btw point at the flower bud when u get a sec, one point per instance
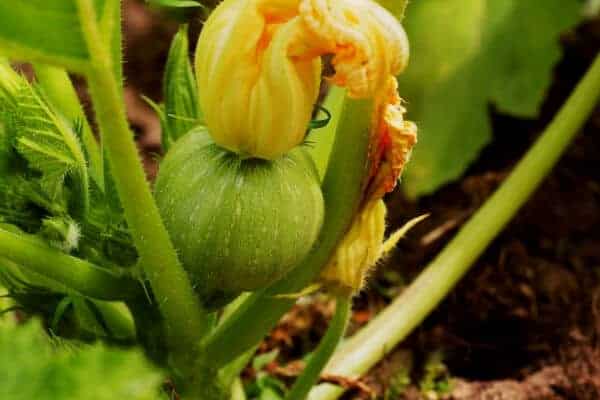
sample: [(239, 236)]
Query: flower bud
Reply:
[(362, 247), (62, 233), (256, 98), (258, 65), (359, 250)]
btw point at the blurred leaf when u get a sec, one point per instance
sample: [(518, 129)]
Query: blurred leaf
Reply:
[(269, 393), (25, 33), (266, 387), (592, 8), (32, 367), (175, 3), (261, 360), (4, 150), (436, 378), (9, 86), (396, 7), (466, 54), (49, 31), (182, 111)]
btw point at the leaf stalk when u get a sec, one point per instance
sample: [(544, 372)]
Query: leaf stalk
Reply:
[(71, 272)]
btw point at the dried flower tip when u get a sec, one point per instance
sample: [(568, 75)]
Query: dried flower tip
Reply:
[(362, 247)]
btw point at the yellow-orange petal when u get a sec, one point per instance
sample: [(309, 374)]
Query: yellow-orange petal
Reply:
[(359, 250), (258, 65), (256, 98), (393, 139), (368, 43)]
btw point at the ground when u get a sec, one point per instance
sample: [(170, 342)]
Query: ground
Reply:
[(525, 321)]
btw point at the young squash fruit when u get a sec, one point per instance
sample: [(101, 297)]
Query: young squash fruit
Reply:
[(239, 224)]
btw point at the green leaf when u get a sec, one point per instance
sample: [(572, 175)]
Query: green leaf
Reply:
[(182, 111), (266, 387), (4, 150), (51, 146), (60, 92), (49, 31), (9, 85), (396, 7), (466, 54), (34, 367), (262, 360), (592, 8), (45, 30), (46, 142), (175, 3)]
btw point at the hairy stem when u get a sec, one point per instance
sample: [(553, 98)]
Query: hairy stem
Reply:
[(382, 334), (73, 273), (318, 360), (185, 319)]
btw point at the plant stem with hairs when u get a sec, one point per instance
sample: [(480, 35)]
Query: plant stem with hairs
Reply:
[(186, 321)]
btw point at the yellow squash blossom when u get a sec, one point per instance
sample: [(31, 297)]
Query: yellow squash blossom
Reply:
[(258, 64)]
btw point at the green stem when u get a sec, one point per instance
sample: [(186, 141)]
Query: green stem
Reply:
[(320, 357), (343, 188), (118, 319), (71, 272), (237, 390), (185, 319), (397, 321), (231, 371)]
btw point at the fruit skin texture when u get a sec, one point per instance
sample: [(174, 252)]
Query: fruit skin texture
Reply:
[(238, 224)]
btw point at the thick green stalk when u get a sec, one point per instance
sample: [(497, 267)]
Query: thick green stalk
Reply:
[(343, 188), (320, 357), (320, 141), (382, 334), (73, 273), (185, 320)]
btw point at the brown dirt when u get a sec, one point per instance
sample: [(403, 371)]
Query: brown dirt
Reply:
[(525, 322)]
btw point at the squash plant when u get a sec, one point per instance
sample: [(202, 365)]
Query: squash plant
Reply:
[(252, 205)]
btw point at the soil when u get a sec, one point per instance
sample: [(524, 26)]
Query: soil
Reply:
[(525, 321)]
